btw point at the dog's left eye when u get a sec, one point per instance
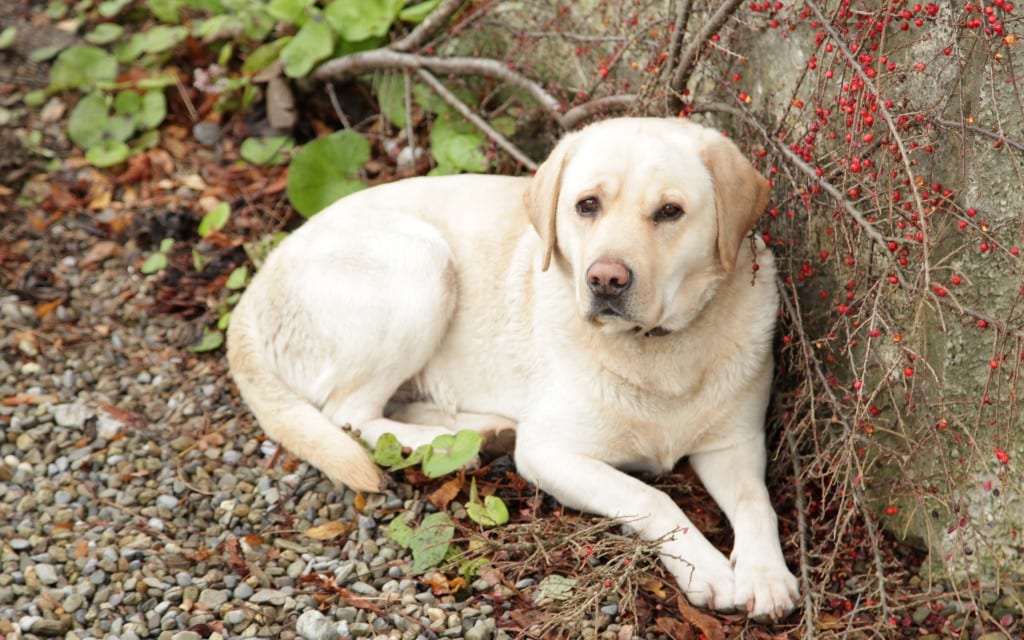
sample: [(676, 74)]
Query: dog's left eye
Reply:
[(668, 213)]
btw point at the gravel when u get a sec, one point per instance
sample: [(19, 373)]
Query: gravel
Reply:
[(138, 499)]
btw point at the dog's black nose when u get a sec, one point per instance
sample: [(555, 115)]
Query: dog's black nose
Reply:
[(609, 278)]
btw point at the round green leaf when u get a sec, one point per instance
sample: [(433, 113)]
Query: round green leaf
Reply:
[(391, 99), (107, 153), (311, 44), (104, 33), (87, 119), (264, 55), (211, 341), (355, 21), (449, 453), (429, 544), (127, 103), (322, 171), (272, 150), (82, 66), (152, 111)]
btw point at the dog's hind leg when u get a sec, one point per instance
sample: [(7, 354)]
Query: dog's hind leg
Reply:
[(498, 431)]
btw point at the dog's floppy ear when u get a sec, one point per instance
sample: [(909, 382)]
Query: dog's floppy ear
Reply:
[(741, 194), (541, 198)]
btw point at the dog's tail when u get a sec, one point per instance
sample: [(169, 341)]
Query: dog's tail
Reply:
[(292, 420)]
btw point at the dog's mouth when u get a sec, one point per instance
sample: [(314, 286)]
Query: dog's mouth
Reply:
[(612, 318)]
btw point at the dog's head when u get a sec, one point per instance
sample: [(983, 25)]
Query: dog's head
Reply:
[(647, 216)]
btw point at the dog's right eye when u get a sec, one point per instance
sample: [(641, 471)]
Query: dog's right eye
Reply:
[(588, 207)]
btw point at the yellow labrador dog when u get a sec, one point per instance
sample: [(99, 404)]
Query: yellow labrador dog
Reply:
[(607, 309)]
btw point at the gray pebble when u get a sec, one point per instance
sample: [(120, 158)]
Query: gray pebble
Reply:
[(46, 574), (269, 596), (312, 625), (213, 599)]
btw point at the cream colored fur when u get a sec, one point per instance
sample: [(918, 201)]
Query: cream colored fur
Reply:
[(470, 294)]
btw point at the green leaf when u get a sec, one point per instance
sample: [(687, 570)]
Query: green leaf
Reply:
[(104, 33), (211, 341), (107, 153), (84, 128), (42, 54), (290, 11), (214, 219), (152, 111), (453, 145), (491, 513), (355, 21), (224, 320), (111, 8), (400, 531), (167, 10), (161, 81), (264, 55), (7, 37), (154, 263), (127, 103), (267, 151), (391, 99), (239, 276), (56, 10), (388, 451), (311, 44), (322, 171), (417, 13), (430, 542), (449, 453), (82, 66), (157, 39), (166, 244), (420, 454), (147, 140)]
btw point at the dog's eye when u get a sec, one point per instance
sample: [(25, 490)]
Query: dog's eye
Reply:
[(588, 207), (668, 213)]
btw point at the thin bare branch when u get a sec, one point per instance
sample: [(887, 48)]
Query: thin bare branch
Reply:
[(992, 135), (418, 36), (377, 59), (688, 59), (477, 121), (581, 112)]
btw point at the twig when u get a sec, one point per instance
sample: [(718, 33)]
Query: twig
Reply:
[(992, 135), (418, 36), (477, 121), (337, 106), (688, 59), (683, 8), (366, 61), (581, 112), (809, 614)]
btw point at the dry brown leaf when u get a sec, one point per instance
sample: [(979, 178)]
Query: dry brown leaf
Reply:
[(655, 587), (674, 629), (44, 309), (709, 626), (99, 252), (326, 531), (446, 492), (81, 548)]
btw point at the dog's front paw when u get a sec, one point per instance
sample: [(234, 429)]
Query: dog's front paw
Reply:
[(707, 583), (766, 590)]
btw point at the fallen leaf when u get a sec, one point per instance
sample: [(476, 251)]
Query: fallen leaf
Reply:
[(709, 626), (674, 629), (359, 502), (326, 531), (99, 252), (655, 587), (446, 492), (82, 548), (44, 309)]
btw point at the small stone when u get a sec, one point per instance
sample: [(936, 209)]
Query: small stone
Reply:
[(243, 591), (46, 574), (73, 602), (312, 625), (479, 631), (213, 599), (50, 628), (268, 596), (360, 629)]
